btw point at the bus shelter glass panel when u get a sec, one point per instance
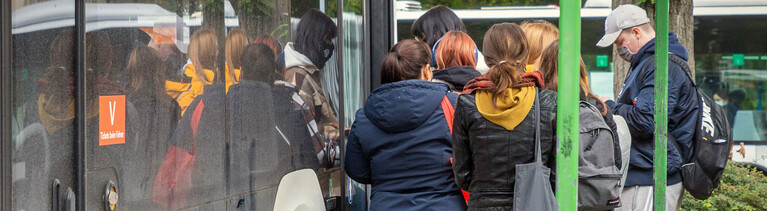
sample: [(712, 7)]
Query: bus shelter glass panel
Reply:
[(215, 105), (42, 104)]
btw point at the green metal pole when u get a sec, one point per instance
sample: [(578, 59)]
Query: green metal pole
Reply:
[(567, 103), (661, 103)]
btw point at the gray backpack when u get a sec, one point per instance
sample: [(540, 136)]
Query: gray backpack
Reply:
[(599, 179)]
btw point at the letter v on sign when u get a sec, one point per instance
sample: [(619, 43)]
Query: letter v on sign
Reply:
[(112, 107), (111, 120)]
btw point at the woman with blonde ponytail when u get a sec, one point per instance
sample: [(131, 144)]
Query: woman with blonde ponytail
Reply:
[(235, 44), (494, 125), (203, 50)]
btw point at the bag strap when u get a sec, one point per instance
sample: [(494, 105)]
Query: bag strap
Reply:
[(683, 64), (196, 122), (671, 58), (537, 106), (449, 111)]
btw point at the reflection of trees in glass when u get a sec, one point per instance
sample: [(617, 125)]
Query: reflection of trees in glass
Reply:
[(258, 17), (353, 6), (476, 4)]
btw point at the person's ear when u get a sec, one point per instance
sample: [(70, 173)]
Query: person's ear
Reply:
[(637, 33)]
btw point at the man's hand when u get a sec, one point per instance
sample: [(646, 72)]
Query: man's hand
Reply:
[(604, 99)]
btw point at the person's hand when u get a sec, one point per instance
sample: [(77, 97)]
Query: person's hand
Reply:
[(604, 99)]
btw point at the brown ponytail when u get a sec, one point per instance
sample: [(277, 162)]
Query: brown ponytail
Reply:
[(505, 48), (405, 61)]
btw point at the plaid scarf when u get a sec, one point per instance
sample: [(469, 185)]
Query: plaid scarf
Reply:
[(484, 83)]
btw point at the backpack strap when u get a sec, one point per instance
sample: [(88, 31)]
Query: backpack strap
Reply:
[(449, 111), (671, 58), (196, 122), (683, 64)]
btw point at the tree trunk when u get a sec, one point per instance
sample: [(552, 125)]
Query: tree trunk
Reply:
[(256, 23), (680, 21)]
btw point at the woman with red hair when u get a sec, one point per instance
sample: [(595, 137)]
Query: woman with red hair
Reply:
[(455, 60)]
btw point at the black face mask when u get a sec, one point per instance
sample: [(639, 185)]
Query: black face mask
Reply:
[(328, 50)]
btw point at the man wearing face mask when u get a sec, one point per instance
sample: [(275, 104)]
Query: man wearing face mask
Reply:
[(304, 59), (629, 30)]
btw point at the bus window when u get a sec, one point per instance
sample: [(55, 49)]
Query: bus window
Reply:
[(43, 112)]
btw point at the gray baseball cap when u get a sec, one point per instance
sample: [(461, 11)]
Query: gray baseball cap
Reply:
[(623, 17)]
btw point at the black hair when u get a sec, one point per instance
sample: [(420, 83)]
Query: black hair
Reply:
[(258, 63), (433, 24), (310, 33), (737, 96)]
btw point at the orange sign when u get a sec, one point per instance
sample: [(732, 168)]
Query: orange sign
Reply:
[(111, 120)]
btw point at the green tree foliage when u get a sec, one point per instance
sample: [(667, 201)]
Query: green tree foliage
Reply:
[(742, 188), (476, 4)]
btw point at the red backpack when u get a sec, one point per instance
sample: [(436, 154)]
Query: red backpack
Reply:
[(449, 111)]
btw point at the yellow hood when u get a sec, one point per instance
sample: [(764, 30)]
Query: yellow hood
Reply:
[(55, 117), (512, 107)]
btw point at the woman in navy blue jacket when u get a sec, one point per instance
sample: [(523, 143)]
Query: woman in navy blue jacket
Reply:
[(400, 141)]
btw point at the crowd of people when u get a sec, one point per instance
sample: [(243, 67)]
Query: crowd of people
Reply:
[(450, 117), (238, 127), (452, 127)]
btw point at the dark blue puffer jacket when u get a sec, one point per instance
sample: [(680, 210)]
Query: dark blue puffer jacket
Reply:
[(400, 143), (636, 104)]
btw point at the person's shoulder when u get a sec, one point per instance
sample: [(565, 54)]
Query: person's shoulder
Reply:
[(548, 98), (466, 99)]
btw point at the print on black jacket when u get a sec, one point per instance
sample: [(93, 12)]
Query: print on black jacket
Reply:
[(488, 175), (400, 143)]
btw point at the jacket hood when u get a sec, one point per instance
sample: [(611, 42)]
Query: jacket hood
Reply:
[(457, 76), (510, 109), (404, 105), (57, 116), (294, 58), (649, 49)]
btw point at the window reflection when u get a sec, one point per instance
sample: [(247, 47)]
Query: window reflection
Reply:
[(221, 102), (42, 106)]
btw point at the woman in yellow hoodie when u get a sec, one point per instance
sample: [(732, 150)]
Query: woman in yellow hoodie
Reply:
[(235, 44), (494, 125), (203, 50)]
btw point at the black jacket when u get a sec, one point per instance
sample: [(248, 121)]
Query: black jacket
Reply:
[(256, 155), (456, 77), (208, 179), (485, 154)]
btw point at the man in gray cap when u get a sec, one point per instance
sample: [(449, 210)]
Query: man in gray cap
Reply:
[(629, 30)]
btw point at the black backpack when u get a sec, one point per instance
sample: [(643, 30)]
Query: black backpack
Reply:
[(712, 141)]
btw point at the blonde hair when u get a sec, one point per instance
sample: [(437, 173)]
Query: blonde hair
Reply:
[(235, 44), (203, 49), (539, 35)]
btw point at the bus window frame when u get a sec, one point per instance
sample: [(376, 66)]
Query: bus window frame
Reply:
[(5, 100)]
